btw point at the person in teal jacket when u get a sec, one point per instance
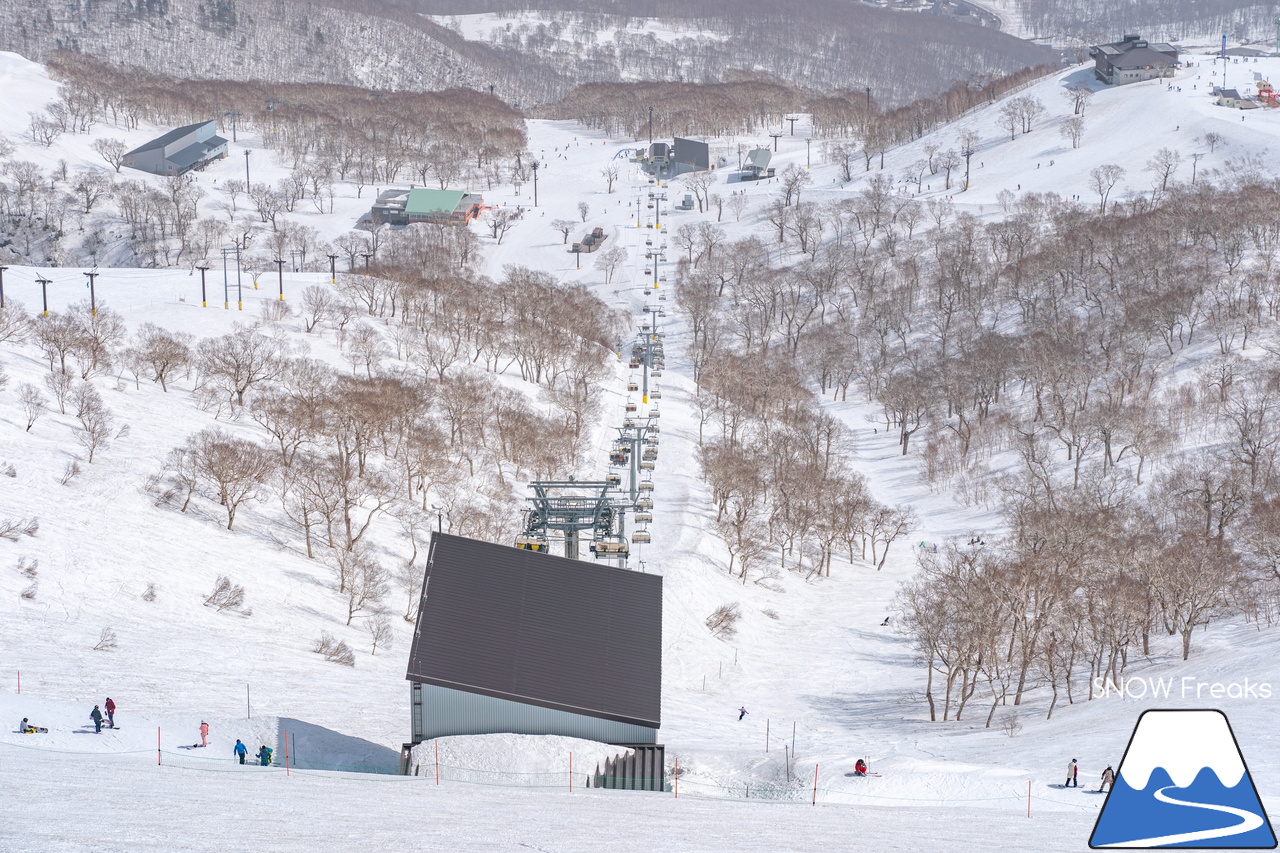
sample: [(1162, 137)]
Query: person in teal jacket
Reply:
[(240, 750), (264, 755)]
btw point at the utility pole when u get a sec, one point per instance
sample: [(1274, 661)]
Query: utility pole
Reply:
[(246, 169), (793, 124), (776, 137), (204, 302), (44, 293), (333, 269), (868, 99), (535, 183), (279, 262), (650, 127), (93, 301), (2, 269)]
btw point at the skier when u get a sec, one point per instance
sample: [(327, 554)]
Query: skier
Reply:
[(742, 712), (885, 622), (1072, 772), (240, 750), (860, 769), (204, 733), (1108, 779), (264, 755), (110, 708), (96, 716)]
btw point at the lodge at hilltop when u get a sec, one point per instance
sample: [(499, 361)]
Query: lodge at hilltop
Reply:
[(1133, 59)]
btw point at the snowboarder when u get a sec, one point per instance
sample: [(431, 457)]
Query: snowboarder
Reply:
[(204, 733), (742, 712), (110, 708), (1072, 771), (885, 622), (240, 750), (26, 728), (860, 769), (1108, 779), (96, 716), (264, 755)]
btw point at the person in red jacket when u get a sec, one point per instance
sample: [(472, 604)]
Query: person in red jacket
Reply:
[(860, 769), (110, 708)]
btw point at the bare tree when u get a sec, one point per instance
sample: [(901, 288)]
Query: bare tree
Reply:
[(609, 260), (564, 226), (1073, 129), (583, 210), (500, 220), (225, 596), (163, 352), (234, 468), (317, 304), (380, 633), (94, 432), (240, 360), (1213, 139), (1078, 95), (1165, 162), (33, 403), (1103, 180), (610, 174)]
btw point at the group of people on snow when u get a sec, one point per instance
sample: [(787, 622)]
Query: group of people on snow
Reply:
[(97, 716), (1073, 774)]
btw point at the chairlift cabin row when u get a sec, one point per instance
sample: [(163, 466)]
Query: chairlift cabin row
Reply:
[(605, 549), (531, 542)]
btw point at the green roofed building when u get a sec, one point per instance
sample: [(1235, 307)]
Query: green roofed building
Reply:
[(402, 207)]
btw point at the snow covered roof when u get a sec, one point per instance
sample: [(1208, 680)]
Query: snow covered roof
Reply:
[(542, 630)]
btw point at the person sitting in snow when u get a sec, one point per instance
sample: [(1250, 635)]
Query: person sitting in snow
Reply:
[(26, 728), (860, 769)]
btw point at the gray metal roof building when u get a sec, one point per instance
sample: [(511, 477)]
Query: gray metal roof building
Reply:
[(510, 640), (1133, 59), (180, 150)]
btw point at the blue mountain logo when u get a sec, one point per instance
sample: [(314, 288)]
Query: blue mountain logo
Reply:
[(1183, 783)]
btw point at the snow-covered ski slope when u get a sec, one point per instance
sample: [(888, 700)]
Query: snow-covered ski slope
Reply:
[(824, 664)]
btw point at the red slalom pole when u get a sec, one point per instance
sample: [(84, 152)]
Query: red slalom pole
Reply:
[(815, 784)]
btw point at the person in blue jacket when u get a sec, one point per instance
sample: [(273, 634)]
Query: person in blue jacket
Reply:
[(264, 755), (240, 750)]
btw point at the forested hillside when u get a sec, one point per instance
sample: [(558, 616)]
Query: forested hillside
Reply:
[(818, 44)]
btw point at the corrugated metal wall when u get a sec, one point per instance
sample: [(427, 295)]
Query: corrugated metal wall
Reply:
[(441, 711)]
